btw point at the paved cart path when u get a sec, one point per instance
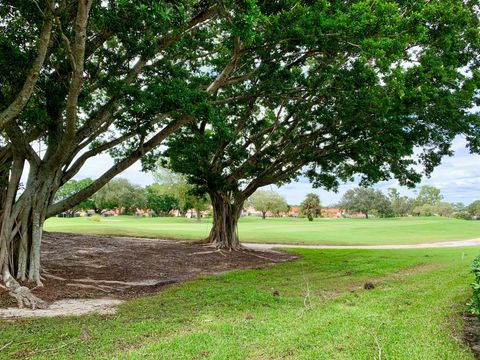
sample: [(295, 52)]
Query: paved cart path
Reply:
[(459, 243)]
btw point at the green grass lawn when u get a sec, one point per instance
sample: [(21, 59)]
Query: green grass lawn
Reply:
[(322, 312), (284, 230)]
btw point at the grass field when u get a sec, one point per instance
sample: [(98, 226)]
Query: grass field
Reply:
[(284, 230), (322, 312)]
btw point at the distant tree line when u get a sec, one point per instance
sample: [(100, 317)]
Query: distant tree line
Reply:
[(172, 192), (427, 202), (160, 198)]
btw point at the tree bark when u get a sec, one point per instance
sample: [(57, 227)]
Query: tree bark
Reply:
[(226, 212), (14, 109), (264, 213), (22, 219)]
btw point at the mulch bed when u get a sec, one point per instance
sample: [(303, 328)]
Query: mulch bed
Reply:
[(87, 266)]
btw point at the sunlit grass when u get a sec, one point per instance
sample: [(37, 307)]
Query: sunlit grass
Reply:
[(322, 312), (283, 230)]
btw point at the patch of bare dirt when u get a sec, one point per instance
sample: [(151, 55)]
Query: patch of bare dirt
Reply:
[(97, 267), (66, 307), (471, 333)]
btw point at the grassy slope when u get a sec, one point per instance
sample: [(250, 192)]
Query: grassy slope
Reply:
[(284, 230), (411, 314)]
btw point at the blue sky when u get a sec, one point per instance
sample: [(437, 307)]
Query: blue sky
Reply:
[(458, 177)]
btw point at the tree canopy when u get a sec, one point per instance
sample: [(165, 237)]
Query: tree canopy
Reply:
[(248, 93), (176, 185), (428, 195), (311, 206), (367, 201), (474, 208), (265, 201), (120, 194), (81, 78), (356, 93), (400, 205), (72, 187), (159, 201)]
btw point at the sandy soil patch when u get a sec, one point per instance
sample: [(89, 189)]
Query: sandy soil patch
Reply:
[(66, 307)]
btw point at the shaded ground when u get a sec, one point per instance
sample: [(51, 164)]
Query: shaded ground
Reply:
[(87, 266), (472, 333)]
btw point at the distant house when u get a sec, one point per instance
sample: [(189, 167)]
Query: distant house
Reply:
[(251, 211), (332, 213), (141, 212), (293, 212), (107, 213)]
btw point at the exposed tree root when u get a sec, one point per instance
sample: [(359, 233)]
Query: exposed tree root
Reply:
[(54, 277), (250, 252), (224, 247), (202, 241), (85, 286), (24, 297), (22, 294), (208, 252), (240, 248)]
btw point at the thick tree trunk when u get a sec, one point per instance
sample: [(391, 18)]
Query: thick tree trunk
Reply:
[(224, 233), (264, 214), (22, 219), (21, 241), (199, 214)]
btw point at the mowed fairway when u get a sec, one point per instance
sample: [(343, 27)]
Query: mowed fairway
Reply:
[(312, 308), (283, 230)]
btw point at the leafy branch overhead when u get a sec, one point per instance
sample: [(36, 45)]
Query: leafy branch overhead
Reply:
[(235, 95), (337, 90), (354, 93), (83, 78)]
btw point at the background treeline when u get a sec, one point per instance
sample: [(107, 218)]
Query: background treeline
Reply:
[(171, 192), (427, 202), (121, 194)]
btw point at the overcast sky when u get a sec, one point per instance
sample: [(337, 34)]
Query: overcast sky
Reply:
[(458, 177)]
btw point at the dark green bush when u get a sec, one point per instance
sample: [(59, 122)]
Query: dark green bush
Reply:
[(474, 305)]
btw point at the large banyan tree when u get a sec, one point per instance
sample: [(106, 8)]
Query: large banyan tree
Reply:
[(377, 89), (82, 77)]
